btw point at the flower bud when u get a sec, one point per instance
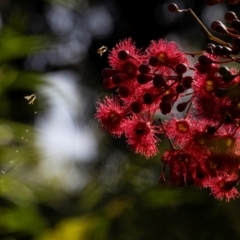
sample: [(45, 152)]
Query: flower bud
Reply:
[(159, 81), (124, 91), (148, 98), (182, 106), (180, 88), (210, 48), (218, 50), (118, 78), (144, 68), (230, 16), (181, 68), (204, 60), (107, 72), (137, 106), (223, 70), (165, 107), (211, 130), (187, 82), (123, 55), (226, 74), (221, 28), (173, 7), (153, 61), (228, 185), (143, 78), (215, 24), (226, 50), (236, 24)]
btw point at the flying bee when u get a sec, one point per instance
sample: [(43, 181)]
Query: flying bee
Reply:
[(31, 98), (102, 50)]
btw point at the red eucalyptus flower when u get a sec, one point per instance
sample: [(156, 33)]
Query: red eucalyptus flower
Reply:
[(203, 131), (125, 57), (111, 116), (223, 187), (165, 56), (141, 135)]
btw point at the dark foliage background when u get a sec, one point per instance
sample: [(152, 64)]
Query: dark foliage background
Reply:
[(60, 176)]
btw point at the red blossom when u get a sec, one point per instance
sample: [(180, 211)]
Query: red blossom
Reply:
[(178, 130), (141, 135), (111, 115), (132, 57), (168, 55), (223, 187)]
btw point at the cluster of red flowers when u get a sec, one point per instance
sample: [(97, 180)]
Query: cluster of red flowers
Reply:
[(203, 131)]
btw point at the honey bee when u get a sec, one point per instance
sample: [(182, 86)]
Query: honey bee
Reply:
[(102, 50), (31, 98)]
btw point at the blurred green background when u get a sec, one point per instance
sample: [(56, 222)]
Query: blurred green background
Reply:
[(61, 177)]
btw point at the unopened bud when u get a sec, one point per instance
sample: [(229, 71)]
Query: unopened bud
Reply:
[(148, 98), (215, 24), (236, 24), (107, 72), (181, 68), (210, 48), (187, 82), (144, 68), (223, 70), (124, 91), (159, 81), (221, 29), (123, 55), (165, 107), (137, 106), (218, 50), (226, 74), (211, 130), (143, 78), (204, 60), (182, 106), (230, 16), (180, 88), (228, 185), (226, 50), (118, 78), (173, 7), (153, 61)]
